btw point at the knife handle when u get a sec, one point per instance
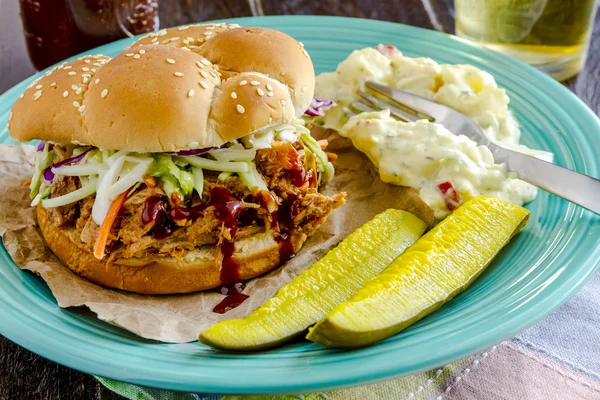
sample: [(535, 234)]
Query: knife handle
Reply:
[(570, 185)]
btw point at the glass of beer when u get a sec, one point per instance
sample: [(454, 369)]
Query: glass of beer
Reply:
[(551, 35)]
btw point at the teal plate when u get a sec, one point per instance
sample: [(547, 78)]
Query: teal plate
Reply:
[(538, 271)]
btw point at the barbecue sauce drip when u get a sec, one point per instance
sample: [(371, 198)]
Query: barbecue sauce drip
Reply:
[(154, 212), (227, 210), (230, 302), (288, 210), (297, 173)]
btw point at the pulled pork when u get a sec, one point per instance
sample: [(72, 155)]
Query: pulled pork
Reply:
[(300, 208)]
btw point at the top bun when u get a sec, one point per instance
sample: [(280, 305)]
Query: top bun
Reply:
[(177, 89)]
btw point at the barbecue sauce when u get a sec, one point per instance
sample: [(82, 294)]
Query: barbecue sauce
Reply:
[(154, 212), (297, 173), (288, 210), (230, 302)]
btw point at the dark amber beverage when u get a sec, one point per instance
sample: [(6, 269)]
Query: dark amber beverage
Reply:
[(58, 29)]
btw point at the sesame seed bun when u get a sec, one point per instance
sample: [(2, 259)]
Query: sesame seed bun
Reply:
[(200, 270), (177, 89)]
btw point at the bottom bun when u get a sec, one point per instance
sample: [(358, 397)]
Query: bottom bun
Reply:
[(198, 270)]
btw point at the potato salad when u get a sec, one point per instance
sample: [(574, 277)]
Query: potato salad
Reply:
[(445, 169)]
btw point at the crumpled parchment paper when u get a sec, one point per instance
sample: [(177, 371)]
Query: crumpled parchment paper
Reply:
[(180, 318)]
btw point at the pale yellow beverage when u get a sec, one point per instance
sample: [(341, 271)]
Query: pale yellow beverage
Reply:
[(552, 35)]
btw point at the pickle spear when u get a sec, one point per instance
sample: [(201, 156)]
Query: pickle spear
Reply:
[(431, 272), (316, 291)]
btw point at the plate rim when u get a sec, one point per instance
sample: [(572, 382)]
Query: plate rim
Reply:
[(520, 322)]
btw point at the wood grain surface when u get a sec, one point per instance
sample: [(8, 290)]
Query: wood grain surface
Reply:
[(24, 375)]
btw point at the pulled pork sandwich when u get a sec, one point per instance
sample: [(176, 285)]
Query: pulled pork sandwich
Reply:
[(180, 164)]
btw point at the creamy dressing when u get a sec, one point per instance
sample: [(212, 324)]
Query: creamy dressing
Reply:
[(424, 154)]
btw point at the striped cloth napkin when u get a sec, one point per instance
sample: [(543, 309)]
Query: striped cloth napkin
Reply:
[(556, 359)]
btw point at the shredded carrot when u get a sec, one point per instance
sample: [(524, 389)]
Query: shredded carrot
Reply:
[(150, 181), (323, 143), (107, 224), (26, 182), (331, 156)]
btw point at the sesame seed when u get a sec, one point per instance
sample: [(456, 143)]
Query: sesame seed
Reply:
[(174, 39), (242, 83), (86, 75), (154, 40), (74, 87), (182, 28), (190, 39), (87, 61), (86, 79), (207, 33), (210, 28), (270, 94), (203, 84), (205, 61), (233, 95), (104, 93), (38, 87), (260, 92), (190, 93), (72, 73), (204, 74), (240, 108), (136, 56), (170, 61), (78, 91), (254, 83), (37, 95), (53, 84), (305, 53), (185, 48), (179, 74), (129, 55), (65, 93), (282, 102), (269, 87), (142, 51), (199, 64), (97, 64), (81, 109), (85, 69), (10, 114), (97, 81), (68, 67), (270, 119), (301, 44), (303, 89), (22, 95), (76, 104)]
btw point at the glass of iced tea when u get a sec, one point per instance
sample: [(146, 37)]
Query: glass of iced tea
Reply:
[(552, 35), (58, 29)]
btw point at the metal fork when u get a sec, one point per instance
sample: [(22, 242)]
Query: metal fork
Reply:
[(578, 188)]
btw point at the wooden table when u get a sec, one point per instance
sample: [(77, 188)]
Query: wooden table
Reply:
[(24, 375)]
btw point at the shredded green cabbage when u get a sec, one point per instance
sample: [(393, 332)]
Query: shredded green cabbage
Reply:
[(71, 197), (212, 165), (43, 160), (198, 180), (327, 167)]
